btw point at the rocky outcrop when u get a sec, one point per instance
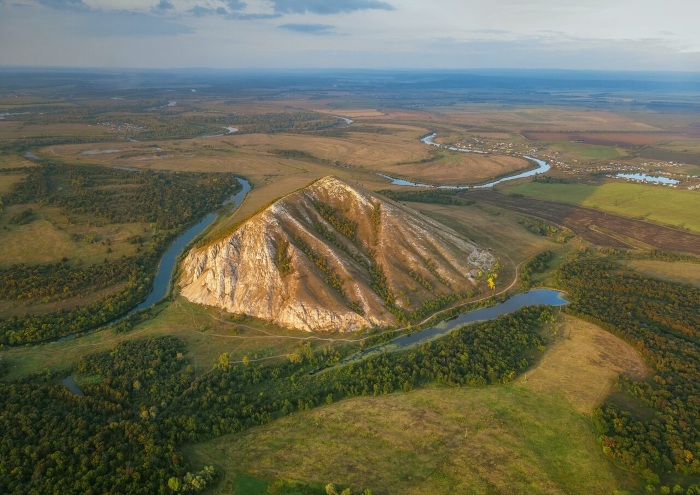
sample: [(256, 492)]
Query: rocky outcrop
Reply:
[(332, 257)]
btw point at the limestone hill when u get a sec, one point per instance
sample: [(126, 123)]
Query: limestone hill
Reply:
[(334, 257)]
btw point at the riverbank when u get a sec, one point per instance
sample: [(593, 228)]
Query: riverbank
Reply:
[(535, 167)]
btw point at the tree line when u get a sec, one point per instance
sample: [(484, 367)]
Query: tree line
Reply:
[(143, 401), (169, 202), (656, 429)]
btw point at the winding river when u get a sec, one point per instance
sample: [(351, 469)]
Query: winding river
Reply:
[(535, 297), (429, 141), (166, 266), (542, 167), (161, 283)]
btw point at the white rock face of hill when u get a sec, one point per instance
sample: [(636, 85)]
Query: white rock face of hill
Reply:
[(314, 261)]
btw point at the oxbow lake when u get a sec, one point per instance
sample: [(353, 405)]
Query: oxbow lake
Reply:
[(648, 178), (534, 297)]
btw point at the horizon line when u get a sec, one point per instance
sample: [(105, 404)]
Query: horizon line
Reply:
[(344, 69)]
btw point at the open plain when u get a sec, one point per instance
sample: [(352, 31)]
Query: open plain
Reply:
[(95, 188)]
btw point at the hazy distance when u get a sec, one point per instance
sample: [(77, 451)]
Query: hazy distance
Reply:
[(621, 35)]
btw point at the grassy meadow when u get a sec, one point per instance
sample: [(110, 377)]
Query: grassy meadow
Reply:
[(534, 435), (672, 271), (11, 160), (8, 181), (583, 151), (489, 227), (531, 436), (51, 237), (208, 332), (542, 118), (453, 168), (659, 204)]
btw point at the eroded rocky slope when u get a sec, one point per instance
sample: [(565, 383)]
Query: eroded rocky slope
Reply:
[(334, 257)]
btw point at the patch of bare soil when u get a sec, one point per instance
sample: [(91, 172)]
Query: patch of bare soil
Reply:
[(598, 227)]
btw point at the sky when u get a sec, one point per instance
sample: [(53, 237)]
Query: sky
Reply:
[(378, 34)]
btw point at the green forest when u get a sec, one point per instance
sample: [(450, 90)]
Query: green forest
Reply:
[(143, 401), (654, 426), (169, 202)]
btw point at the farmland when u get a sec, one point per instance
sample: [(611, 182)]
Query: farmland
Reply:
[(655, 204), (622, 139), (94, 187), (603, 229)]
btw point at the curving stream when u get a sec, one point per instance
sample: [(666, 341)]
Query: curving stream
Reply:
[(542, 167), (547, 297), (166, 266), (429, 141)]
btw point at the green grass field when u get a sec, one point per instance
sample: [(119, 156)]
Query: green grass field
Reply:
[(531, 436), (691, 169), (671, 271), (208, 332), (684, 146), (583, 151), (663, 205), (433, 441), (489, 227), (52, 236), (7, 182)]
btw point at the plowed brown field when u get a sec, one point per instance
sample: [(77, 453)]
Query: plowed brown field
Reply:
[(598, 227)]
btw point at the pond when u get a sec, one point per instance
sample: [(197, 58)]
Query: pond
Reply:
[(648, 178), (531, 298), (70, 384)]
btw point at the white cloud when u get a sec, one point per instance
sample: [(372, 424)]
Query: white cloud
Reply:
[(627, 34)]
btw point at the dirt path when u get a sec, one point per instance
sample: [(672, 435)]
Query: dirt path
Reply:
[(268, 335)]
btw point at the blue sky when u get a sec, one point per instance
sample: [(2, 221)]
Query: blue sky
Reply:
[(595, 34)]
